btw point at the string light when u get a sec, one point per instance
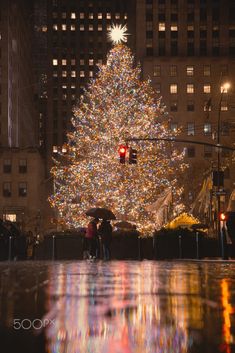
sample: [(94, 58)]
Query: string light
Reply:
[(116, 105)]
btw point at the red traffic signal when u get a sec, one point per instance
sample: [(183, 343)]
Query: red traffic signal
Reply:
[(223, 216), (122, 153)]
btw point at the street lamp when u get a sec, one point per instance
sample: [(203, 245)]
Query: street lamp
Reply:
[(223, 89)]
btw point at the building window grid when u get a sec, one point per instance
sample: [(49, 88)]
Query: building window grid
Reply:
[(190, 88), (190, 129), (6, 189), (22, 189), (173, 88), (7, 166), (207, 88), (190, 70), (23, 166)]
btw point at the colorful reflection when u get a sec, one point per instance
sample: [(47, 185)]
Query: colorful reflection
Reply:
[(228, 310), (121, 307)]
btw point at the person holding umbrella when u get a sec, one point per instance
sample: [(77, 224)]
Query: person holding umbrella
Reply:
[(105, 231), (91, 238)]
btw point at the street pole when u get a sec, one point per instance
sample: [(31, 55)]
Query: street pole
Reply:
[(224, 89)]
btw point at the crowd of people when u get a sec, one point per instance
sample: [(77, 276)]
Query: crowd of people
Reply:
[(98, 240)]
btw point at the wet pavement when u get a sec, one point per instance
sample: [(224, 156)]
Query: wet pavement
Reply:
[(117, 307)]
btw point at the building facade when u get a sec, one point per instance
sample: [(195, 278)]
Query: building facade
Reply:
[(21, 164), (187, 48)]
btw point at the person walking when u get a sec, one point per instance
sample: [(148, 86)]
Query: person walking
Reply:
[(105, 231), (91, 237)]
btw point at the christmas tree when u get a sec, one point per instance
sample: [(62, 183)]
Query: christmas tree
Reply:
[(116, 106)]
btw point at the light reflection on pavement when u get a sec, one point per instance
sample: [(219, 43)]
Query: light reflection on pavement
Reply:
[(124, 306)]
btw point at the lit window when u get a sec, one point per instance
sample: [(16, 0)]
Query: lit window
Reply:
[(90, 73), (44, 28), (91, 16), (64, 62), (23, 166), (173, 88), (73, 87), (99, 16), (207, 105), (73, 62), (190, 129), (55, 62), (108, 16), (190, 88), (64, 96), (224, 88), (64, 73), (9, 217), (117, 16), (91, 27), (157, 70), (64, 149), (63, 15), (162, 27), (55, 74), (207, 88), (91, 62), (55, 149), (22, 189), (100, 27), (207, 129), (224, 106), (174, 127), (174, 28), (82, 15), (109, 27), (190, 70), (55, 27), (125, 16), (82, 62), (82, 27), (64, 86), (6, 191), (173, 70), (73, 15), (73, 73), (82, 73), (73, 27), (190, 28), (206, 70), (63, 27)]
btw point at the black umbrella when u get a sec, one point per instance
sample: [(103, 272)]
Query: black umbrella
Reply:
[(102, 213)]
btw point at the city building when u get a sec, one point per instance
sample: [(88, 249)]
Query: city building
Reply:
[(21, 165), (187, 48)]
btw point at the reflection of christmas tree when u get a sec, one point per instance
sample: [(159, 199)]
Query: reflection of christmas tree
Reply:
[(116, 105)]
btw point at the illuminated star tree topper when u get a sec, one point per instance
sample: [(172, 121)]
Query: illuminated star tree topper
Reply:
[(118, 34)]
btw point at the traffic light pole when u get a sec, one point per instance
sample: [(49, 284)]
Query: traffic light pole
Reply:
[(173, 139)]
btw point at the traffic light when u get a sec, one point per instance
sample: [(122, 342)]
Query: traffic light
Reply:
[(122, 153), (223, 216), (132, 156)]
